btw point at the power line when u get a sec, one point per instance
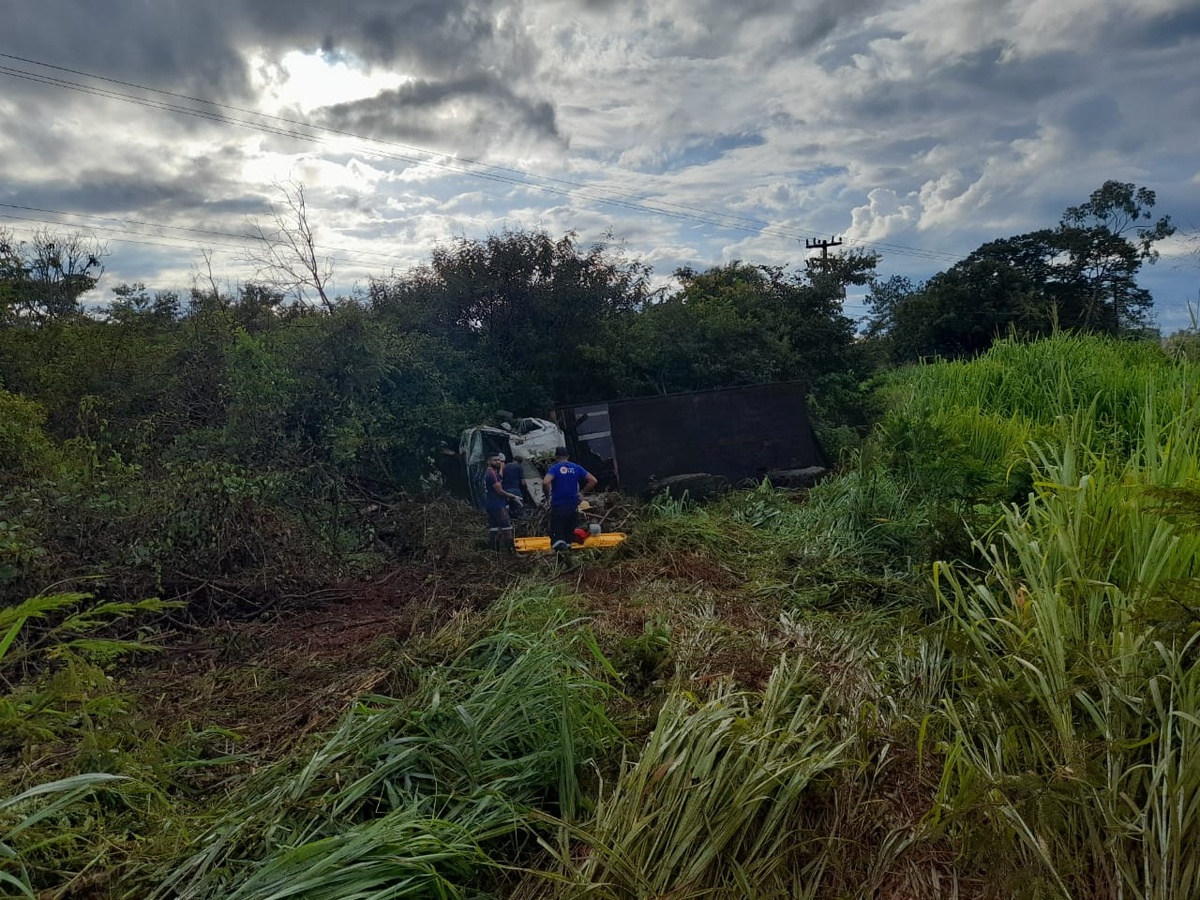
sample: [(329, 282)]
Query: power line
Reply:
[(495, 173), (228, 234), (757, 224), (226, 120), (181, 242), (522, 182), (59, 212), (583, 192)]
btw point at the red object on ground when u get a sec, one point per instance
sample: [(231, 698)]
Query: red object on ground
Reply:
[(580, 535)]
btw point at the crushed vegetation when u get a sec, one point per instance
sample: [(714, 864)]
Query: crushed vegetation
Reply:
[(963, 667)]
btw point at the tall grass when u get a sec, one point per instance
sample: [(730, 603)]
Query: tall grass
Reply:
[(961, 430), (866, 518), (720, 802), (1075, 718), (1045, 381), (1031, 731)]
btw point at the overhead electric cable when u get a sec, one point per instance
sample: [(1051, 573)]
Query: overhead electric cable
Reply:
[(756, 224), (493, 172), (230, 234), (182, 242), (583, 192)]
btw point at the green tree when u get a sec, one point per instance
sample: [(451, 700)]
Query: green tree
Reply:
[(540, 317), (24, 446), (43, 278), (1079, 275), (1106, 246), (1118, 207), (745, 324), (133, 305), (1004, 285)]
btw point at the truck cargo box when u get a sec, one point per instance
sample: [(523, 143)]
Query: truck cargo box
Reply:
[(737, 433)]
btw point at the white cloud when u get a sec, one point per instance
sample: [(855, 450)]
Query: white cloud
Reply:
[(884, 215), (935, 124), (306, 81)]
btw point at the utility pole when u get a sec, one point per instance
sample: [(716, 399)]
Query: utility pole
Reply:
[(823, 261)]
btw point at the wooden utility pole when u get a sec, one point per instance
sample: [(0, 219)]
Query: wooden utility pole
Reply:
[(823, 261)]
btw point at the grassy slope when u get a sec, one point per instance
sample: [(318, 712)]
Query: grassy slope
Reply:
[(801, 709)]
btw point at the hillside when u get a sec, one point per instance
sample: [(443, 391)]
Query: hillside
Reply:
[(962, 667)]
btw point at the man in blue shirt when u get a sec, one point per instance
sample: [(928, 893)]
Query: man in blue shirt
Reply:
[(562, 484), (495, 502)]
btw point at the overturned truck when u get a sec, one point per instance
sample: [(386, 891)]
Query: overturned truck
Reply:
[(529, 441), (698, 441)]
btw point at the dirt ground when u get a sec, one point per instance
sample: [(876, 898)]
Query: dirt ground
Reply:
[(292, 672)]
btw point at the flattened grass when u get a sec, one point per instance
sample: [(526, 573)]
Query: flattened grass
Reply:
[(718, 802), (413, 796)]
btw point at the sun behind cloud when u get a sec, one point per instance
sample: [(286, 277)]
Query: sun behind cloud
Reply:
[(309, 80)]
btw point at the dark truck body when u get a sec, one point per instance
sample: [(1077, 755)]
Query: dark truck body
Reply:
[(736, 433)]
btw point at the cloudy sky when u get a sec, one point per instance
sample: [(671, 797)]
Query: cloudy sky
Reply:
[(694, 132)]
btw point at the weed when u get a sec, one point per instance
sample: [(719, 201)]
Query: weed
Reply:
[(718, 802), (643, 660)]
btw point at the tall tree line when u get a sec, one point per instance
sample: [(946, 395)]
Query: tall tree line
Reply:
[(172, 438), (1080, 275)]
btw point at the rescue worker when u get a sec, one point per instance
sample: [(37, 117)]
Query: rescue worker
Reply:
[(496, 500), (513, 477), (562, 483)]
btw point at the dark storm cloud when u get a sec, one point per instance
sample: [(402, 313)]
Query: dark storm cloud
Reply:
[(818, 21), (435, 37), (907, 148), (1094, 118), (699, 150), (977, 98), (172, 44), (202, 47), (993, 102), (180, 185), (1170, 29), (462, 54), (415, 110), (978, 82), (1006, 134), (809, 23), (707, 29), (198, 189), (841, 52), (101, 191)]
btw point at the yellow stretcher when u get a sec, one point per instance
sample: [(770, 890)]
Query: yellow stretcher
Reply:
[(605, 541)]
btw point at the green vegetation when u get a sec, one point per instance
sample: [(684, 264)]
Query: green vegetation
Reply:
[(964, 665), (417, 796), (774, 695), (1080, 275)]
